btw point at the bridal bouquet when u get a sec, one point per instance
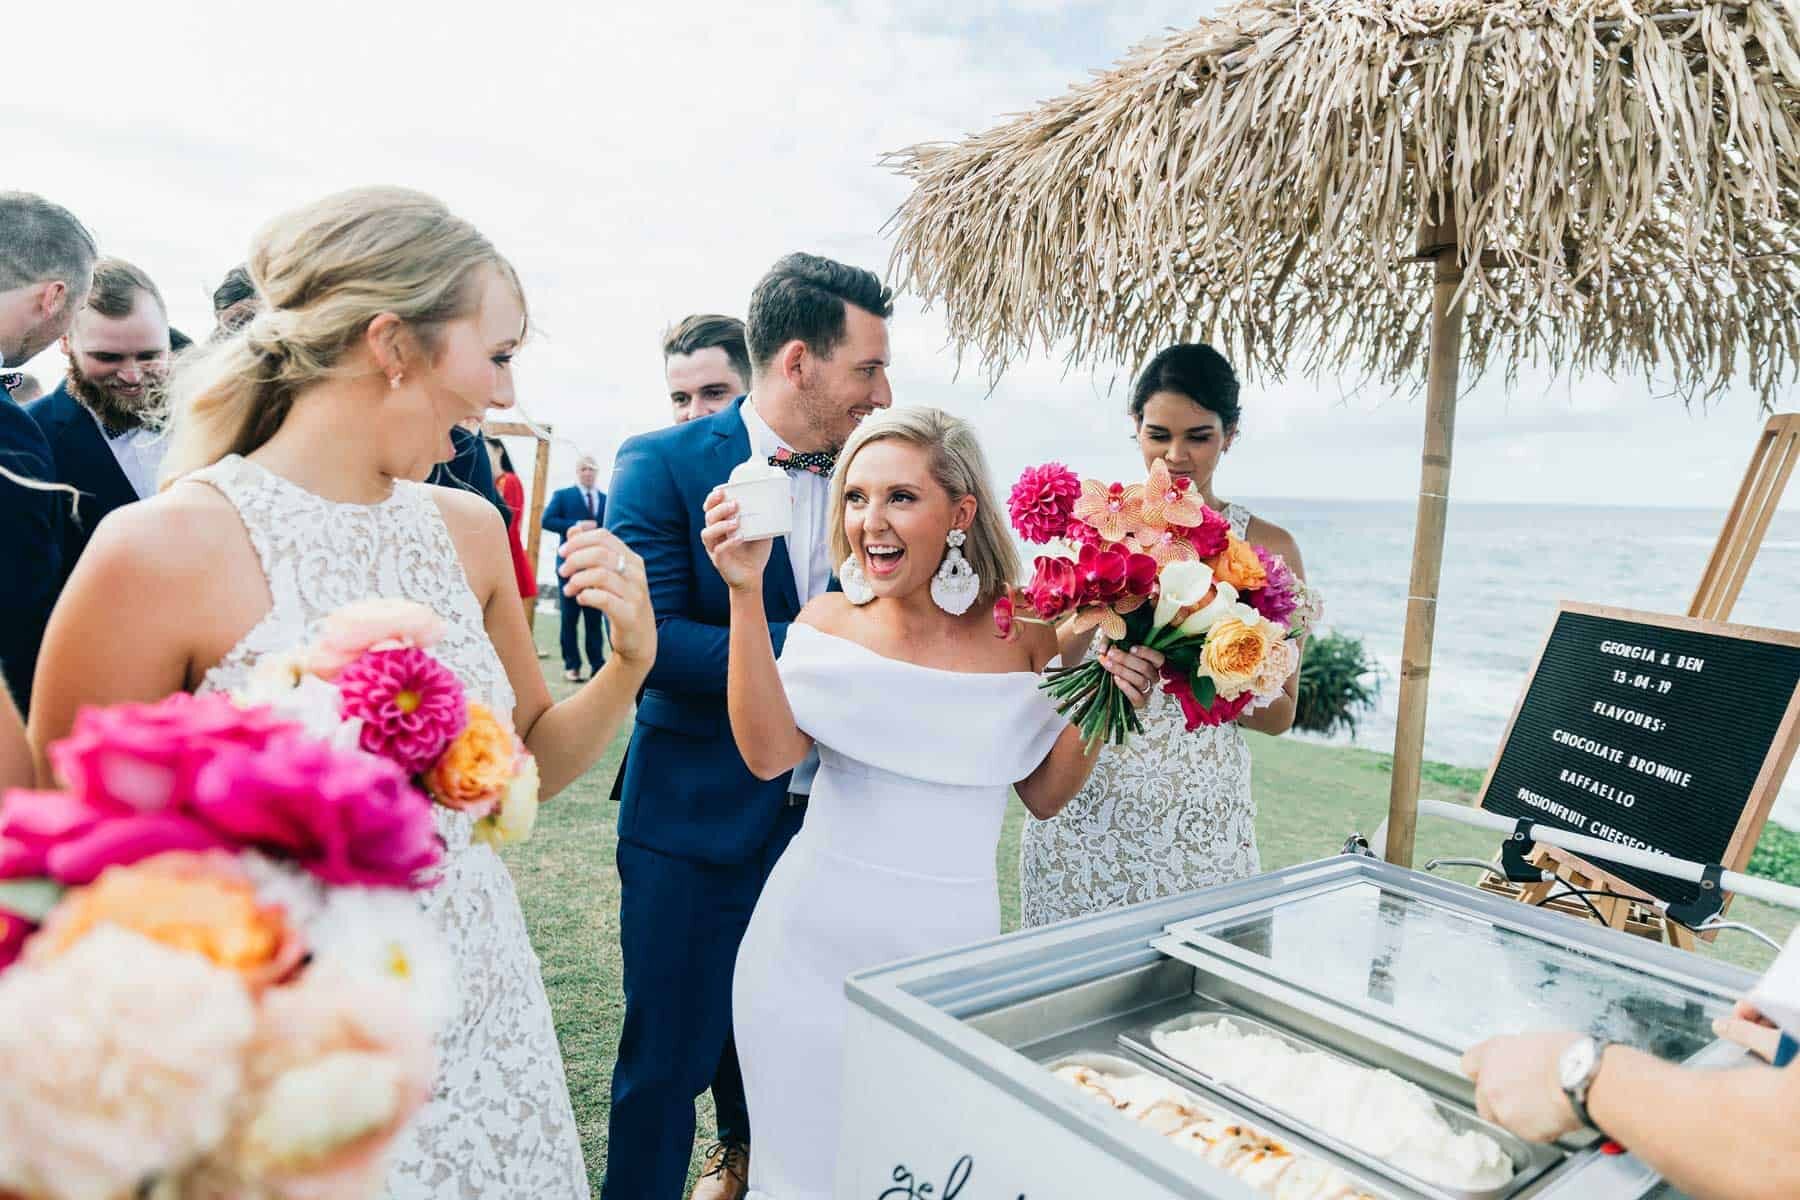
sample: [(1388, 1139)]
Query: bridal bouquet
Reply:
[(216, 978), (1148, 564), (369, 680)]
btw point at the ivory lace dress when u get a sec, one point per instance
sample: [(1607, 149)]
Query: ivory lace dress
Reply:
[(1168, 812), (499, 1124)]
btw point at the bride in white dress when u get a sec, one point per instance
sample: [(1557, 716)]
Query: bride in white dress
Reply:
[(294, 451), (924, 721)]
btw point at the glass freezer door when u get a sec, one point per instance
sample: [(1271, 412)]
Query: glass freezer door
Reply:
[(1452, 977)]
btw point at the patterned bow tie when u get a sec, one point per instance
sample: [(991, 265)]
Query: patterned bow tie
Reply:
[(816, 462)]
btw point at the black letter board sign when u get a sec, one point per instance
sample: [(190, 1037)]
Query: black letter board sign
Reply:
[(1661, 733)]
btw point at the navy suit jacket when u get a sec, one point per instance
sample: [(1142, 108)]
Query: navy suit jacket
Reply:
[(83, 461), (31, 532), (684, 790), (567, 507)]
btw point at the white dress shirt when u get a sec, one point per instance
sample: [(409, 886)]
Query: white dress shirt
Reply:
[(808, 547), (139, 453)]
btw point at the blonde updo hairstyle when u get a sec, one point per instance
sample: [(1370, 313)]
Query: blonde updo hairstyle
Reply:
[(322, 274), (958, 466)]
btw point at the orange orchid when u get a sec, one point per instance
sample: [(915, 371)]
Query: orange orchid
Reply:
[(1165, 546), (1114, 510), (1110, 618), (1168, 501)]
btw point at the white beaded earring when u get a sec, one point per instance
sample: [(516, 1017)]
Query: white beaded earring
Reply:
[(854, 582), (956, 584)]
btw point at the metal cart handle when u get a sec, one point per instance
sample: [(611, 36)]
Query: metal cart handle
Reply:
[(1766, 890)]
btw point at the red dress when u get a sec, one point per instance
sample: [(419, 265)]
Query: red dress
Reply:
[(513, 492)]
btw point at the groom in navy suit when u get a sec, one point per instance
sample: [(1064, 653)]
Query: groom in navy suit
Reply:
[(698, 834)]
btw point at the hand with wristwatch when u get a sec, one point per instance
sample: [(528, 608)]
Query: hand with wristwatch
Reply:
[(1537, 1084)]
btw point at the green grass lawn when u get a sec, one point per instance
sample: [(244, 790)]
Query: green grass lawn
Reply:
[(1309, 799)]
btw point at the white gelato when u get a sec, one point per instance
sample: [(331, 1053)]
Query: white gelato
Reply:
[(765, 503), (1376, 1111), (1260, 1162)]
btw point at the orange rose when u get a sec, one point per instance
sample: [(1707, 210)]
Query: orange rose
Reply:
[(1238, 565), (1234, 652), (201, 903), (476, 768)]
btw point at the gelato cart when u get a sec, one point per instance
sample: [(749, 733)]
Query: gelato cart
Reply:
[(1293, 1035)]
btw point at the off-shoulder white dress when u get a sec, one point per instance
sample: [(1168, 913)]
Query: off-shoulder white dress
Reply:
[(896, 858)]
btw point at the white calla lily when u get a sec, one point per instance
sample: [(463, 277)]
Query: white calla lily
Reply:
[(1181, 585), (1223, 604)]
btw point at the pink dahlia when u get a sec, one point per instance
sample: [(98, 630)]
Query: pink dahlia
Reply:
[(346, 817), (1279, 597), (410, 705), (143, 757), (1043, 502)]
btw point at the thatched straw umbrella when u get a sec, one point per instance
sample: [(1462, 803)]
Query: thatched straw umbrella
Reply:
[(1598, 185)]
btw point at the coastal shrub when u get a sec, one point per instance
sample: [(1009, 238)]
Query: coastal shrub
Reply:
[(1337, 684), (1777, 855)]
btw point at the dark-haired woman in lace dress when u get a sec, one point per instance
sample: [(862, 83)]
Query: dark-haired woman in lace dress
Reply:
[(1171, 810)]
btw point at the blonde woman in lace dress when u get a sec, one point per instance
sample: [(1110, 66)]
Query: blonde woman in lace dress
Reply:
[(1170, 811), (292, 488)]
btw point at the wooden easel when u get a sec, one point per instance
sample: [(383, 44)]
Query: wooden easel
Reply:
[(1771, 465), (539, 478), (1623, 906)]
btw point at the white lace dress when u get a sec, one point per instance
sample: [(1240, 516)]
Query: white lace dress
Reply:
[(500, 1124), (1168, 812)]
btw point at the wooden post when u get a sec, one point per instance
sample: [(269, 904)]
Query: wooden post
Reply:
[(540, 478), (1439, 243)]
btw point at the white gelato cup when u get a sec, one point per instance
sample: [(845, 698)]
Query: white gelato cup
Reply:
[(765, 505)]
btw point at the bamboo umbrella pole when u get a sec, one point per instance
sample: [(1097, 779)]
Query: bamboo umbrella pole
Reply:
[(1428, 542)]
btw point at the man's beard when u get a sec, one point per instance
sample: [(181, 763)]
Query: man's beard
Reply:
[(118, 414), (821, 417)]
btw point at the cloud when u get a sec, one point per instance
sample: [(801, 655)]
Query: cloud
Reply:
[(639, 162)]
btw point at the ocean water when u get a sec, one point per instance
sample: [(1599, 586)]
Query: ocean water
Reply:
[(1506, 568)]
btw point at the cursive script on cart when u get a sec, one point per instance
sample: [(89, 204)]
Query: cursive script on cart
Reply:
[(907, 1186)]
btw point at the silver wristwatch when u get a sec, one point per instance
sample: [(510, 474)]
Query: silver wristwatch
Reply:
[(1576, 1070)]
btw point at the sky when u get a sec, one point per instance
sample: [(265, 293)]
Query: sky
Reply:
[(639, 162)]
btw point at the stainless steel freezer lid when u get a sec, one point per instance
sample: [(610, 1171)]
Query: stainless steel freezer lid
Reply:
[(1453, 976)]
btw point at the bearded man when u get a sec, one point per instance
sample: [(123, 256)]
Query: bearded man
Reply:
[(103, 422)]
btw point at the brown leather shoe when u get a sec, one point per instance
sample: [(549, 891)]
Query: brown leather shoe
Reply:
[(726, 1173)]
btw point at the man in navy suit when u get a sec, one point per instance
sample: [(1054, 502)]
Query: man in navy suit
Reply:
[(46, 269), (99, 421), (571, 510), (698, 834)]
